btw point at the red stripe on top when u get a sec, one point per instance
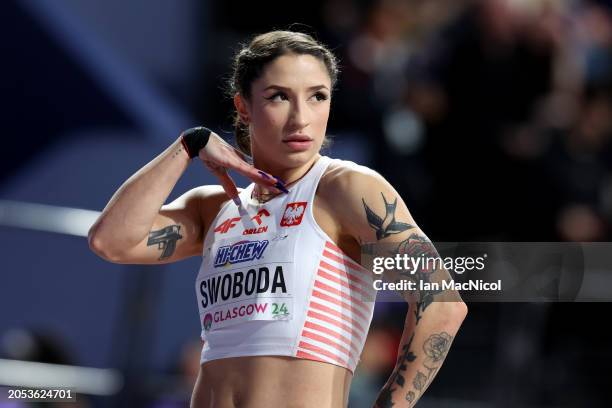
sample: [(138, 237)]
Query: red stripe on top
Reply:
[(333, 247), (342, 273), (325, 340), (340, 293), (340, 303), (329, 332), (330, 245), (319, 316), (323, 352), (345, 262), (336, 313), (353, 288)]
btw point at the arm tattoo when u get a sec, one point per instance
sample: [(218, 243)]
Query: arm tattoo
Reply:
[(435, 347), (419, 246), (414, 246), (386, 225), (397, 377), (165, 239), (410, 396), (178, 151), (419, 381)]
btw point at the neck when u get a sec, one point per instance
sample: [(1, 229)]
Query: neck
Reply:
[(288, 175)]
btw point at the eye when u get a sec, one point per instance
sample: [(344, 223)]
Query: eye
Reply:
[(277, 97), (320, 96)]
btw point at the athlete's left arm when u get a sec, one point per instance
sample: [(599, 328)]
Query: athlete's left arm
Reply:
[(375, 215)]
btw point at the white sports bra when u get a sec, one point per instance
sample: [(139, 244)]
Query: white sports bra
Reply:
[(272, 282)]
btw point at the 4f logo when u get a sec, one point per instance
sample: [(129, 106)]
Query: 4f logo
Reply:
[(293, 214), (227, 225)]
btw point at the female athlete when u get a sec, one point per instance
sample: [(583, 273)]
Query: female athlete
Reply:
[(284, 302)]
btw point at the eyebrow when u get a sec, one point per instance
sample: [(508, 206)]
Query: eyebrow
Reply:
[(282, 88)]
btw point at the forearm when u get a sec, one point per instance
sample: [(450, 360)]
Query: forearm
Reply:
[(424, 345), (131, 211)]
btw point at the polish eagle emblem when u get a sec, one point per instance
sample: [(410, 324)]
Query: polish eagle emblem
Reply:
[(293, 214)]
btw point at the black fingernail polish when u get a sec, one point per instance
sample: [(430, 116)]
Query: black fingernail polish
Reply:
[(281, 187), (263, 174)]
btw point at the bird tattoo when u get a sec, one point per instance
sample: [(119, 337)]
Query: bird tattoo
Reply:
[(387, 225)]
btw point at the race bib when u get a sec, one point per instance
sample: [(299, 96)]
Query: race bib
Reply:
[(252, 279)]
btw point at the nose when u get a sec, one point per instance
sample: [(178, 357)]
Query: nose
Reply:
[(299, 115)]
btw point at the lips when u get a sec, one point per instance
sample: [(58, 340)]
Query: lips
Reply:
[(297, 138), (298, 142)]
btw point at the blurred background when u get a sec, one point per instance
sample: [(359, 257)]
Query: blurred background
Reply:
[(492, 118)]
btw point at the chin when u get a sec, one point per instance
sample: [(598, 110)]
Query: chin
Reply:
[(296, 159)]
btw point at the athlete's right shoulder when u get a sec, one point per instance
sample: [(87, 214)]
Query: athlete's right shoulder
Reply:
[(211, 199)]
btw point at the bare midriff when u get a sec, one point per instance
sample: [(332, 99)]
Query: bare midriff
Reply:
[(270, 381)]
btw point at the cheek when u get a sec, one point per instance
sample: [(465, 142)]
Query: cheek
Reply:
[(322, 115), (270, 118)]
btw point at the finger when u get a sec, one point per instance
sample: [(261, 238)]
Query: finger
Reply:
[(243, 155), (228, 184), (261, 177), (256, 175)]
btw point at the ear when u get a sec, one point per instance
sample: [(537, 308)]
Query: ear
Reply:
[(242, 108)]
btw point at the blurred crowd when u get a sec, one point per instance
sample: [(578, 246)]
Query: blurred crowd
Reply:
[(497, 113)]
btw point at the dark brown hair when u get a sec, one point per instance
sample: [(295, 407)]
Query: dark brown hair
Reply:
[(253, 57)]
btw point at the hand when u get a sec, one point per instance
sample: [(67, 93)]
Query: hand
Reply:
[(219, 156)]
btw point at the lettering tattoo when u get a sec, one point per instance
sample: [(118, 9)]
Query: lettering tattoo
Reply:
[(165, 239), (386, 225)]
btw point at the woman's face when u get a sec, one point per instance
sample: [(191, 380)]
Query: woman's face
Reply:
[(288, 110)]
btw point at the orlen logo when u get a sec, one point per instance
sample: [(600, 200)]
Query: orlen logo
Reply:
[(242, 251), (257, 218), (293, 214), (230, 223)]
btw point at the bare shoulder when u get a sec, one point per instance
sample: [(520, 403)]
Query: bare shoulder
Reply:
[(207, 195), (206, 200), (344, 179), (355, 195), (211, 192)]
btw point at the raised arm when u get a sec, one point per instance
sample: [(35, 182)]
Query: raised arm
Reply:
[(135, 226), (377, 217)]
